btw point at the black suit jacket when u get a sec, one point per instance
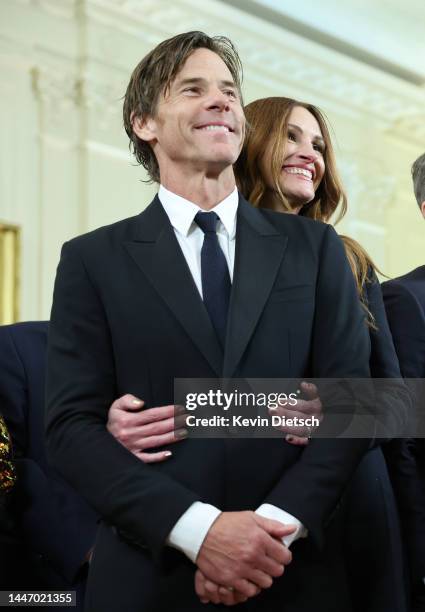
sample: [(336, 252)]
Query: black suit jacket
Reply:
[(405, 305), (374, 545), (127, 318), (55, 524)]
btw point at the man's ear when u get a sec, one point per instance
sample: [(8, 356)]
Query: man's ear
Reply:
[(143, 126), (423, 209)]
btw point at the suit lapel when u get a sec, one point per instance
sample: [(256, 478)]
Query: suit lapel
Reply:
[(259, 253), (157, 253)]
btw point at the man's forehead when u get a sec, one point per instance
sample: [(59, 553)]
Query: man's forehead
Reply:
[(203, 64)]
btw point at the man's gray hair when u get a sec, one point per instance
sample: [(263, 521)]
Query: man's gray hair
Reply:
[(418, 175)]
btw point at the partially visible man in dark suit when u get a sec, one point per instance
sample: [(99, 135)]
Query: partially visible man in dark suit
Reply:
[(405, 306), (202, 285), (54, 527)]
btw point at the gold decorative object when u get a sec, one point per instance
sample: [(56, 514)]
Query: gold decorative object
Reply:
[(9, 272)]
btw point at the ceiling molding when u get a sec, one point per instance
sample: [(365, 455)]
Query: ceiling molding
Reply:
[(280, 59), (277, 18)]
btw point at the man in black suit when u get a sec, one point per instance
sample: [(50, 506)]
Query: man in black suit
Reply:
[(144, 301), (405, 306), (54, 527)]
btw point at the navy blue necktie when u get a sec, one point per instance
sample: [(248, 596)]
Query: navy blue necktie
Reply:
[(216, 283)]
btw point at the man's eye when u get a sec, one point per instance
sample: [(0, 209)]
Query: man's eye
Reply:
[(231, 93), (191, 89)]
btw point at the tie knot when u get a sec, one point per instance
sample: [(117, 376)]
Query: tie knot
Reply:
[(207, 221)]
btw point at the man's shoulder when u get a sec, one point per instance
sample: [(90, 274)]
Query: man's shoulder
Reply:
[(24, 332), (116, 233), (412, 282), (106, 233), (22, 347), (407, 291)]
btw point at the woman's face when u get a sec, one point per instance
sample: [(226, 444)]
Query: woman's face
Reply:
[(303, 165)]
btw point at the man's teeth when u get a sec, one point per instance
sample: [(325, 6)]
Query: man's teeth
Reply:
[(302, 171), (222, 128)]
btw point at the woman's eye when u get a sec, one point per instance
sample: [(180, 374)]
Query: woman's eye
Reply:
[(292, 136), (319, 147)]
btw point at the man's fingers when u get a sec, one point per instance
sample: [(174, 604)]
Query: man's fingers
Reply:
[(212, 591), (274, 528), (268, 569), (279, 554), (245, 588), (213, 574), (200, 588), (262, 579), (231, 597), (154, 457)]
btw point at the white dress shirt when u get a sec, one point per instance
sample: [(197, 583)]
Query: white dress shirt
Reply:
[(190, 530)]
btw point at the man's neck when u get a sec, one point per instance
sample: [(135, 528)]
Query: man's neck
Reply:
[(202, 189)]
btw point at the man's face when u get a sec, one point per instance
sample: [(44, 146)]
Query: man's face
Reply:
[(199, 123)]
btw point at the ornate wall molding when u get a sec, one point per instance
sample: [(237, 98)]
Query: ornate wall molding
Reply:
[(276, 58), (369, 185), (59, 89), (65, 64), (66, 9), (102, 92)]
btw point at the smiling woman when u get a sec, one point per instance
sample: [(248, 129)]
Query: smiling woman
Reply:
[(303, 165), (287, 161)]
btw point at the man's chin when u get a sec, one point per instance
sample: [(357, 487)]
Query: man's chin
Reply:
[(220, 162)]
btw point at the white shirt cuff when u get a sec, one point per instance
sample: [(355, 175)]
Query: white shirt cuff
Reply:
[(277, 514), (190, 530)]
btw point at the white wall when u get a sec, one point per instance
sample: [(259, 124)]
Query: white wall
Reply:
[(65, 166)]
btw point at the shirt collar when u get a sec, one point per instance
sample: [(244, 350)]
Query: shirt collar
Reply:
[(181, 212)]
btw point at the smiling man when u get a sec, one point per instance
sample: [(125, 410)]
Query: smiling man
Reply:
[(201, 285)]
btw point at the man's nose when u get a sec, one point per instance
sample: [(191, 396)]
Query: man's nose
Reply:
[(217, 100)]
